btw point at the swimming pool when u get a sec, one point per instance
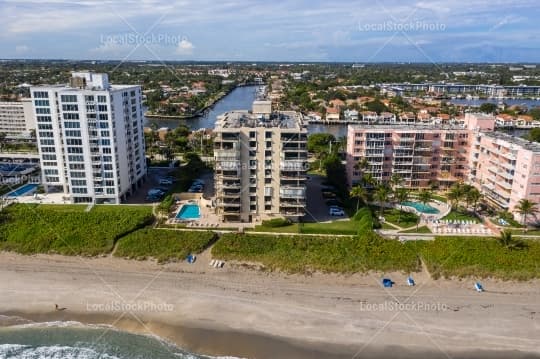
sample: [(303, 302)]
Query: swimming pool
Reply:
[(421, 207), (21, 191), (189, 211)]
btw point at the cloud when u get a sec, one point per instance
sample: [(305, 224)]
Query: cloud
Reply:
[(21, 49), (185, 47)]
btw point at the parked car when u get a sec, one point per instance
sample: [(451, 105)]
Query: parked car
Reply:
[(165, 181), (336, 212), (327, 194)]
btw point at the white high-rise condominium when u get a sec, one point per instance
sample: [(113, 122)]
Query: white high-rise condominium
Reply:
[(90, 138)]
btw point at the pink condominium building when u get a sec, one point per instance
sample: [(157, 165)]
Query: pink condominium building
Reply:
[(505, 168), (421, 155)]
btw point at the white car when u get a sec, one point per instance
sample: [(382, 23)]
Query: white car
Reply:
[(336, 211)]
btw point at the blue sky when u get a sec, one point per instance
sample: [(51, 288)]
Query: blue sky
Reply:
[(273, 30)]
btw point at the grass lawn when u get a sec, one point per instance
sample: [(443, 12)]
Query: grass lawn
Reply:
[(68, 230), (406, 219), (387, 226), (460, 216), (423, 229), (163, 245), (347, 227), (296, 254)]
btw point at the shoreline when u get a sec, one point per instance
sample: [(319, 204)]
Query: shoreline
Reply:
[(251, 314)]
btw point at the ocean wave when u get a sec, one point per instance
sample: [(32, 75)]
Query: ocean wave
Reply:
[(62, 324), (49, 352)]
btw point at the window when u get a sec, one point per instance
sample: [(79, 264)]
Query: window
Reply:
[(45, 134), (68, 98), (41, 102), (76, 158), (73, 133), (103, 117), (75, 150), (44, 126), (43, 111), (102, 99), (77, 175), (72, 125), (50, 172), (79, 183), (46, 142), (48, 149), (70, 108), (79, 190), (73, 142), (102, 108), (41, 94), (43, 118), (76, 166), (70, 116), (49, 157)]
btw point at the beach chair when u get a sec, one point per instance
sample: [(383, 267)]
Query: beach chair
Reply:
[(212, 262), (410, 282), (478, 287), (387, 283)]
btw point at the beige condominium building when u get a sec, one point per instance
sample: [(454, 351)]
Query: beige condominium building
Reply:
[(260, 164), (17, 118)]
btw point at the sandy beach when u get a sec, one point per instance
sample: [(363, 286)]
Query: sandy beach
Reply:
[(245, 312)]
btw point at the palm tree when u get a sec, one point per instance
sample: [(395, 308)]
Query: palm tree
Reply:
[(506, 240), (525, 208), (454, 195), (368, 180), (359, 193), (424, 196), (381, 196), (473, 196), (362, 164), (401, 195), (395, 181)]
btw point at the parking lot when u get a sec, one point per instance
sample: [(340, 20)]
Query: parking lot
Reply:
[(317, 209), (152, 181)]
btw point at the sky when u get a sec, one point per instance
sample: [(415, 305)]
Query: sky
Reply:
[(274, 30)]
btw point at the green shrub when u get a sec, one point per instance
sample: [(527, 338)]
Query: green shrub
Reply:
[(303, 254), (163, 245), (276, 222), (68, 229)]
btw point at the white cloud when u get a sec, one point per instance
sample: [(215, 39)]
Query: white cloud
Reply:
[(21, 49), (185, 47)]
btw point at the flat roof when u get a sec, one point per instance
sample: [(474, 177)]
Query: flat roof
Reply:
[(409, 127), (518, 141), (281, 119)]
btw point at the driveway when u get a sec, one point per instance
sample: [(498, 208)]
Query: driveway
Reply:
[(317, 210)]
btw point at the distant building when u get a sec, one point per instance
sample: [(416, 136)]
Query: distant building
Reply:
[(351, 115), (90, 138), (17, 118), (260, 166)]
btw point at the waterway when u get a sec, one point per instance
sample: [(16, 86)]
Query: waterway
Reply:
[(241, 98)]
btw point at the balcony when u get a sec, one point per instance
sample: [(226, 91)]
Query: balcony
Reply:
[(293, 165), (232, 185)]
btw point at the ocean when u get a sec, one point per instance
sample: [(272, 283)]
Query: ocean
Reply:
[(73, 340)]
